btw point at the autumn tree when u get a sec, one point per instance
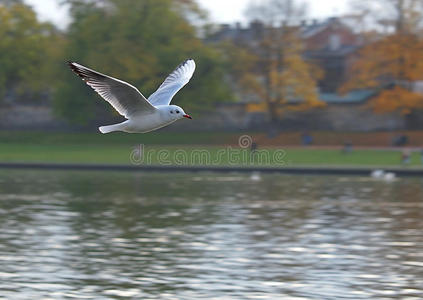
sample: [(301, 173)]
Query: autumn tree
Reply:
[(140, 42), (271, 65), (393, 62)]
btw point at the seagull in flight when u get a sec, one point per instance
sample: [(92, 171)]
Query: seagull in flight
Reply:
[(143, 115)]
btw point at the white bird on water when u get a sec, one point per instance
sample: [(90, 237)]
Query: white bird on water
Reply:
[(143, 115)]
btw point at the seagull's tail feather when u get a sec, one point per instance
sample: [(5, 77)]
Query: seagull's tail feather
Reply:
[(109, 128)]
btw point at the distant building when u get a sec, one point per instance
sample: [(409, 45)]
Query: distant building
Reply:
[(330, 43)]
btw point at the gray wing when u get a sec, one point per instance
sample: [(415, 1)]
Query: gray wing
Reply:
[(173, 83), (125, 98)]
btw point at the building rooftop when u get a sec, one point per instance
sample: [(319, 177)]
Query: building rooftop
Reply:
[(355, 96)]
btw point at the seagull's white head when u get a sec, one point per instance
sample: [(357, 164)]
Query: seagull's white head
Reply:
[(176, 113)]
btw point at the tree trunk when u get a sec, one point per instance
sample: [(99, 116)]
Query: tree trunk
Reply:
[(273, 114)]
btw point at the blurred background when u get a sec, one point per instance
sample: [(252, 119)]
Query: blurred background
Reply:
[(328, 84), (291, 74)]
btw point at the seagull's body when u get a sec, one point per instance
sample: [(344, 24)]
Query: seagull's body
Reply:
[(143, 115), (145, 123)]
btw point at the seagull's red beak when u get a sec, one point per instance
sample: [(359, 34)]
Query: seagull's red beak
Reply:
[(187, 116)]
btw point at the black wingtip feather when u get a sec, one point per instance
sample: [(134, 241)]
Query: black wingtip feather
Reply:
[(71, 65), (75, 69), (183, 63)]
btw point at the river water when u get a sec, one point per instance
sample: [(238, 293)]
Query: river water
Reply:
[(106, 235)]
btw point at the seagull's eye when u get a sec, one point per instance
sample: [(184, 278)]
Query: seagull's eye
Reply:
[(171, 111), (177, 111)]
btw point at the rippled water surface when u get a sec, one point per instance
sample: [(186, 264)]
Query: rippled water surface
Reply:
[(93, 235)]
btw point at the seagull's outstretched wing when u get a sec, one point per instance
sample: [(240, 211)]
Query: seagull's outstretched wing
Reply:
[(125, 98), (173, 83)]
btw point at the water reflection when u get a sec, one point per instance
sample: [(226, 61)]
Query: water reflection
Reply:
[(91, 235)]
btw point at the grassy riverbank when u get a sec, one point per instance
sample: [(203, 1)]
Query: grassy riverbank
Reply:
[(179, 149)]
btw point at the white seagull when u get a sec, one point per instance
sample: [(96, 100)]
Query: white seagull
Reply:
[(143, 115)]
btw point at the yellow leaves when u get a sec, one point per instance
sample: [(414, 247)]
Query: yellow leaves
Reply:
[(397, 99), (271, 69), (290, 78), (299, 77), (256, 107), (396, 56), (395, 59)]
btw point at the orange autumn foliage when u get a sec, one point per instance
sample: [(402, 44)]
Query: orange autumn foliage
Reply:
[(396, 60), (397, 99), (273, 70)]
